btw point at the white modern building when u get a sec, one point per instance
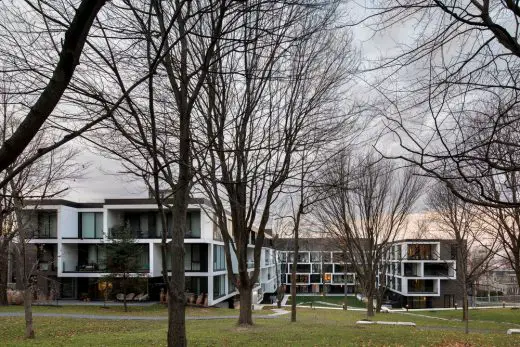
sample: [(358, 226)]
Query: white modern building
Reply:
[(423, 273), (70, 236)]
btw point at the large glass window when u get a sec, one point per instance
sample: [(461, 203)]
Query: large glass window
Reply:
[(196, 285), (193, 225), (195, 257), (47, 225), (219, 286), (420, 252), (142, 224), (219, 258), (91, 225)]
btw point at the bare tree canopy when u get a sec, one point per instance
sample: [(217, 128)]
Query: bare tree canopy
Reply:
[(16, 62), (450, 90), (367, 207), (271, 96), (468, 226)]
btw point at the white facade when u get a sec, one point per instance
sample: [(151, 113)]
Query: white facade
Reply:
[(80, 228)]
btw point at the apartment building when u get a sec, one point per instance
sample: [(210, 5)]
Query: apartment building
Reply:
[(417, 273), (68, 239), (320, 266), (422, 273)]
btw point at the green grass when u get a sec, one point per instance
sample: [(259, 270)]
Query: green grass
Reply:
[(152, 310), (503, 315), (314, 328), (338, 300)]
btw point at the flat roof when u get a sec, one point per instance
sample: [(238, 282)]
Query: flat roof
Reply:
[(121, 201)]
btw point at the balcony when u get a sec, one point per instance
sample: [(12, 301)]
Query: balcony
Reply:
[(412, 270), (421, 252), (422, 287), (437, 270)]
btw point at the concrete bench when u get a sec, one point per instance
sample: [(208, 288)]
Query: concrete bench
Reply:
[(513, 331), (409, 324)]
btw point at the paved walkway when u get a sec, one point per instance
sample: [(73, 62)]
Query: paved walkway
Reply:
[(277, 313)]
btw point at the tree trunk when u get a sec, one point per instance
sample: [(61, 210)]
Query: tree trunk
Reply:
[(27, 305), (124, 293), (465, 306), (293, 276), (176, 325), (176, 297), (370, 305), (246, 301), (3, 277), (378, 303), (293, 293), (345, 293)]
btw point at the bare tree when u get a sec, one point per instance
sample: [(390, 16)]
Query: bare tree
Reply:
[(365, 211), (467, 226), (43, 179), (51, 91), (452, 93), (154, 123), (266, 101)]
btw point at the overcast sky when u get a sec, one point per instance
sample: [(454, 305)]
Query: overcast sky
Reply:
[(101, 177)]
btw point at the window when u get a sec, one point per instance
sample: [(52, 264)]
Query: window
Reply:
[(327, 278), (316, 278), (316, 268), (326, 257), (196, 285), (420, 252), (299, 278), (193, 225), (315, 257), (219, 286), (338, 278), (303, 268), (47, 225), (143, 225), (339, 268), (91, 225), (195, 257), (219, 258)]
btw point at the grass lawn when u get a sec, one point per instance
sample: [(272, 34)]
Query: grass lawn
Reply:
[(314, 328), (337, 300), (504, 315), (152, 310)]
